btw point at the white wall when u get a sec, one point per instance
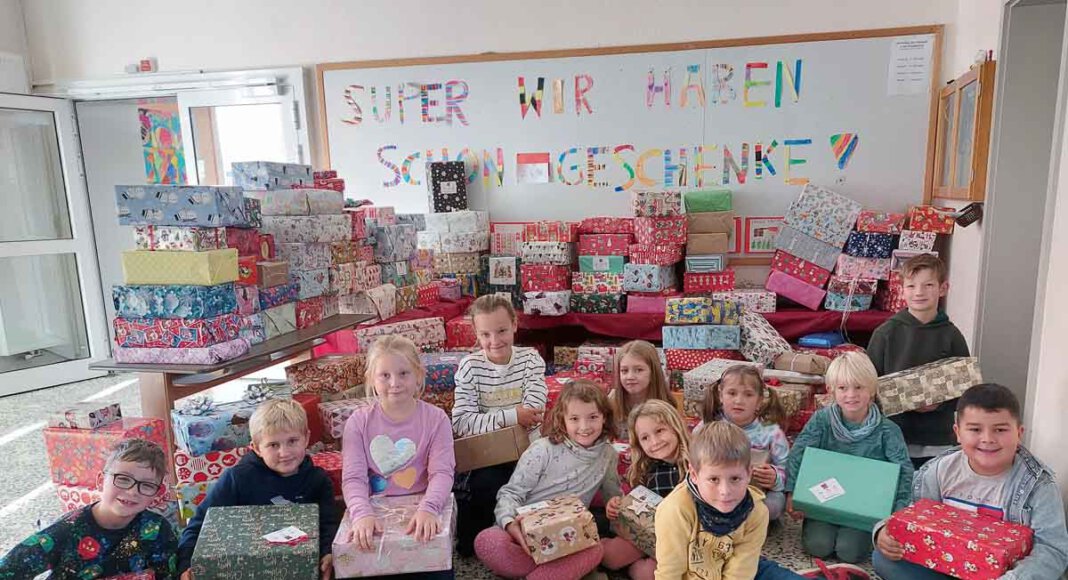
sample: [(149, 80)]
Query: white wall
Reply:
[(13, 74)]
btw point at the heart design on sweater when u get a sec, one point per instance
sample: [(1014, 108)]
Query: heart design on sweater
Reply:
[(405, 477), (390, 456)]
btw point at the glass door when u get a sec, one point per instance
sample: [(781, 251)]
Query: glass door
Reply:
[(52, 321)]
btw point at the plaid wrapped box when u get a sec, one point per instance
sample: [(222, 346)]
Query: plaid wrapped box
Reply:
[(648, 278), (427, 294), (605, 264), (312, 283), (657, 255), (446, 183), (870, 268), (693, 282), (458, 221), (77, 456), (959, 543), (799, 291), (928, 384), (441, 369), (270, 175), (272, 274), (309, 312), (823, 214), (710, 222), (596, 283), (688, 310), (635, 523), (248, 273), (189, 468), (806, 247), (846, 303), (245, 240), (698, 244), (556, 528), (917, 241), (86, 415), (214, 427), (656, 203), (299, 201), (231, 544), (928, 218), (799, 268), (696, 381), (466, 263), (598, 303), (179, 268), (407, 298), (308, 229), (556, 253), (870, 245), (706, 263), (280, 319), (424, 332), (191, 495), (180, 205), (606, 225), (175, 332), (415, 219), (396, 552), (266, 245), (702, 337), (179, 238), (891, 294), (209, 355), (761, 343), (660, 231), (550, 231), (899, 257), (394, 243), (843, 285), (460, 333), (278, 295), (335, 414), (331, 463), (546, 303), (605, 244), (544, 278), (685, 359), (707, 200), (174, 301), (751, 299), (646, 304), (881, 222)]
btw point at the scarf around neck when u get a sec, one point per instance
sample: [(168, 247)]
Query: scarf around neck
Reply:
[(714, 521), (843, 432), (587, 454)]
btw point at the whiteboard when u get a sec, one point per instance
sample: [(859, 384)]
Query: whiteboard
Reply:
[(605, 111)]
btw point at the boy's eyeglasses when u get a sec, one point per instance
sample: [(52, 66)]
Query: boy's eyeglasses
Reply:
[(145, 488)]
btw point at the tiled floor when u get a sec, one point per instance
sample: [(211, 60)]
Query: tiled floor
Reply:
[(28, 500)]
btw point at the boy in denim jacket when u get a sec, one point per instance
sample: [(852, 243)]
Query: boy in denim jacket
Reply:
[(992, 473)]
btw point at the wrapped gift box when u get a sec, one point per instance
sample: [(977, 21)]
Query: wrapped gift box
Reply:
[(605, 244), (557, 253), (88, 415), (247, 272), (357, 224), (647, 304), (712, 222), (794, 397), (591, 364), (266, 245), (280, 319), (550, 231), (424, 332), (917, 241), (928, 218), (606, 225), (454, 242), (446, 183), (561, 379), (394, 243), (648, 278), (688, 310), (488, 449), (899, 257), (660, 231), (603, 264), (557, 528), (443, 400), (845, 490), (596, 283), (324, 174), (891, 294), (272, 275), (656, 203), (414, 219), (708, 200), (761, 343), (725, 312), (377, 215), (870, 245), (305, 256), (656, 255), (806, 247), (179, 238), (847, 303), (343, 278), (546, 303), (544, 278), (333, 184), (959, 543), (800, 292), (799, 268), (441, 369), (854, 267), (598, 303), (217, 427), (707, 244), (331, 306), (844, 285), (77, 456), (635, 522), (312, 283), (278, 295), (231, 543), (174, 301), (300, 201), (802, 362), (175, 332), (165, 268), (693, 282), (823, 214), (331, 463), (209, 355), (466, 263), (506, 239), (309, 229), (460, 333), (181, 205), (396, 273), (248, 299), (252, 209), (565, 356), (407, 298), (706, 263), (379, 301), (880, 222), (449, 289), (309, 312), (427, 294), (423, 259), (270, 175), (751, 299), (928, 384), (190, 496), (189, 468), (458, 221), (395, 551), (335, 414), (702, 337), (686, 359)]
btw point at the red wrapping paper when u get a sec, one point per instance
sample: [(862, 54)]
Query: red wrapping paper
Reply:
[(708, 281), (266, 247), (310, 312), (687, 360), (607, 225), (544, 278), (460, 333), (880, 222), (928, 218), (799, 268), (656, 255), (330, 462), (548, 231), (190, 468), (176, 332), (245, 240), (310, 403), (427, 294), (247, 272), (660, 231), (604, 244), (77, 456)]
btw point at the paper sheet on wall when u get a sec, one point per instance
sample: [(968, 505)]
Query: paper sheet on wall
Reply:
[(909, 72)]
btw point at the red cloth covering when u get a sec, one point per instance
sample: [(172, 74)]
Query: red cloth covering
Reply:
[(344, 341)]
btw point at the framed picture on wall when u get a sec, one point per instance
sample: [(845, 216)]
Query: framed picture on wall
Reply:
[(760, 233), (735, 237)]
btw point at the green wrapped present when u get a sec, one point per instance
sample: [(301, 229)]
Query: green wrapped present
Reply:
[(846, 490), (606, 264), (597, 303), (231, 544), (707, 200)]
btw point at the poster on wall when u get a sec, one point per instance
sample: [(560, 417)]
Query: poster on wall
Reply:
[(161, 142), (760, 234)]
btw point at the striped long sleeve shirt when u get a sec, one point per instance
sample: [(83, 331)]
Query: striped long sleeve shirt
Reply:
[(486, 393)]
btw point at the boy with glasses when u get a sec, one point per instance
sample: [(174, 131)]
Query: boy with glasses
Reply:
[(116, 535)]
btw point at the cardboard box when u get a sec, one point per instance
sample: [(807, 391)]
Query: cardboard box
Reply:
[(636, 521), (845, 490), (556, 528), (395, 551), (710, 222), (493, 448), (928, 384), (271, 274), (194, 268), (231, 544), (707, 244)]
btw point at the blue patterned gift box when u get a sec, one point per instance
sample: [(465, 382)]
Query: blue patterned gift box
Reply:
[(441, 370), (312, 283), (846, 303), (725, 312), (144, 301), (278, 295), (181, 205), (648, 278), (394, 243), (688, 310), (271, 175), (824, 215), (706, 263), (806, 247), (414, 219), (202, 425), (870, 245), (252, 329), (702, 337)]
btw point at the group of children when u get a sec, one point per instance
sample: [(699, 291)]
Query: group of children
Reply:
[(722, 484)]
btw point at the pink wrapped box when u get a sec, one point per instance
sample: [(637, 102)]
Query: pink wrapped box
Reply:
[(395, 551), (870, 268), (804, 294), (656, 255), (309, 312), (660, 231), (751, 299), (607, 225), (882, 222), (604, 244), (336, 413), (917, 241), (646, 304), (596, 283), (210, 355), (449, 289), (424, 332), (708, 281), (175, 332)]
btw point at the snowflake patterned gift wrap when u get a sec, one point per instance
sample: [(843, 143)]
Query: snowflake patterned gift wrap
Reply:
[(556, 528), (181, 205), (917, 241), (196, 268), (189, 468), (327, 374), (656, 203), (396, 552), (702, 337), (175, 332), (806, 247), (179, 238), (77, 456), (660, 231), (823, 214), (546, 303), (231, 544), (648, 278), (190, 301), (446, 183), (870, 245), (928, 384), (636, 519), (799, 268)]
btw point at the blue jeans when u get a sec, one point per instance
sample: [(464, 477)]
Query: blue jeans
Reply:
[(902, 570), (771, 570)]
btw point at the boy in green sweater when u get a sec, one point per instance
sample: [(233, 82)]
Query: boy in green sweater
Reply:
[(918, 335)]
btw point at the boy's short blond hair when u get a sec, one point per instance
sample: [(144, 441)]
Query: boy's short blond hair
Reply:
[(852, 368), (275, 416), (719, 443), (925, 262)]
